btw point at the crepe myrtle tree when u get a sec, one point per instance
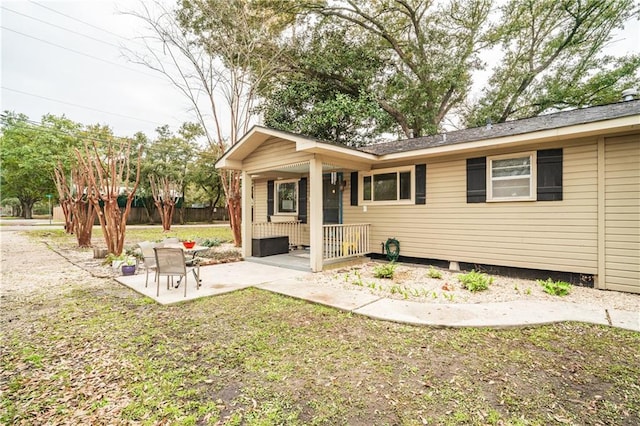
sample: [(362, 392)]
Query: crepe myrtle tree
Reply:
[(80, 212), (109, 175), (166, 194)]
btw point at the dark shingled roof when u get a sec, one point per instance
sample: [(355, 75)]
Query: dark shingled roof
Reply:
[(510, 128)]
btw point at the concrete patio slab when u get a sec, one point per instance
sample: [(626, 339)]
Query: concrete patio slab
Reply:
[(624, 319), (216, 279), (347, 300), (502, 314), (228, 277)]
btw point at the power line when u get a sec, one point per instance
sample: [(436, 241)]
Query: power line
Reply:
[(80, 53), (77, 105), (60, 27), (77, 20), (89, 24)]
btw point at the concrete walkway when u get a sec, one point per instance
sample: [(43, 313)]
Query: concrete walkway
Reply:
[(224, 278)]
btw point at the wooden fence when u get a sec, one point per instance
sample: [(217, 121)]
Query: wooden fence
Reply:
[(138, 215)]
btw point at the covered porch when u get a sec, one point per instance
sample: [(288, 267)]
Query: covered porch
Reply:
[(340, 243), (293, 193)]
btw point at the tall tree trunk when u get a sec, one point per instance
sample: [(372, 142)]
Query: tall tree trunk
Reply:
[(66, 206), (231, 186), (78, 210), (84, 217), (165, 210), (148, 209), (27, 208), (165, 198), (234, 205)]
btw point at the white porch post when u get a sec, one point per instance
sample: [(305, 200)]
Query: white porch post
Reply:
[(246, 215), (315, 213)]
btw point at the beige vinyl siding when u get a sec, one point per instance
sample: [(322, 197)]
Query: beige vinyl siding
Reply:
[(260, 206), (554, 235), (259, 200), (622, 213), (273, 154)]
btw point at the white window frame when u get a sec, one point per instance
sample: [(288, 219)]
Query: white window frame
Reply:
[(397, 170), (276, 197), (532, 177)]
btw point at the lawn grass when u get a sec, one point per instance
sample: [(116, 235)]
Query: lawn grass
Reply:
[(103, 354), (137, 234)]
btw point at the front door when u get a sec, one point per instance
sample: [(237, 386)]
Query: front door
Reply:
[(331, 202)]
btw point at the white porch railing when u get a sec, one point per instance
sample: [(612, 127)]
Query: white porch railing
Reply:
[(292, 229), (342, 241)]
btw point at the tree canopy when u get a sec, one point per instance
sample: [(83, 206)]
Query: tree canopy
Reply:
[(29, 153), (355, 69), (553, 58)]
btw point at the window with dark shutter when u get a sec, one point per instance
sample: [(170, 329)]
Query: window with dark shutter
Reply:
[(421, 183), (388, 186), (354, 188), (477, 180), (270, 198), (302, 200), (549, 185)]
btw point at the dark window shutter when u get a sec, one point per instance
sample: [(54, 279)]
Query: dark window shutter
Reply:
[(549, 163), (302, 200), (421, 184), (477, 180), (270, 197), (354, 188)]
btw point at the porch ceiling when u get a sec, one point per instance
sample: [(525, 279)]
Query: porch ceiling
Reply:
[(294, 170)]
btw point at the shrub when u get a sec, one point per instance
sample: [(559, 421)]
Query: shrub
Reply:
[(434, 273), (555, 288), (475, 281), (211, 242), (385, 271)]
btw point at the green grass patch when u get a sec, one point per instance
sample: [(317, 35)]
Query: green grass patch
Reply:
[(215, 234), (253, 357)]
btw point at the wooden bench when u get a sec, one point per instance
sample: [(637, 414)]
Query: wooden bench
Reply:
[(268, 246)]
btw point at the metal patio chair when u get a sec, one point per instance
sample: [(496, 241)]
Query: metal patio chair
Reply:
[(170, 262), (148, 258)]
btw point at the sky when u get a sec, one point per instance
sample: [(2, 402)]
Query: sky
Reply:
[(66, 57)]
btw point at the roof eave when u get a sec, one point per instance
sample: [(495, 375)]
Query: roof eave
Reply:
[(323, 148), (575, 131), (232, 159)]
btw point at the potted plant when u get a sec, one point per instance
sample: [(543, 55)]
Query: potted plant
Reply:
[(129, 259), (129, 265), (115, 260)]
